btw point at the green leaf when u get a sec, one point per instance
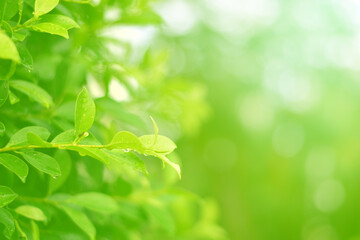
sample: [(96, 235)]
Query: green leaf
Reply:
[(35, 231), (7, 195), (2, 129), (44, 6), (65, 137), (81, 220), (15, 164), (84, 112), (51, 28), (8, 8), (20, 137), (95, 153), (126, 140), (161, 217), (64, 161), (4, 91), (8, 49), (175, 166), (34, 139), (119, 159), (25, 56), (33, 91), (31, 212), (42, 162), (7, 220), (13, 98), (60, 20), (95, 201), (159, 144)]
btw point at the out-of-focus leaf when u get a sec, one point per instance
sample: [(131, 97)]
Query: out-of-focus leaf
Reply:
[(35, 231), (44, 6), (8, 49), (161, 217), (33, 91), (42, 162), (64, 161), (8, 8), (15, 164), (81, 220), (119, 159), (95, 201), (7, 195), (7, 220), (31, 212), (13, 98), (2, 129), (4, 91), (20, 137), (84, 112)]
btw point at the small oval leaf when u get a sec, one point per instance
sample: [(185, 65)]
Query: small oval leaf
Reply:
[(15, 164), (20, 137), (8, 49), (84, 112), (44, 6), (31, 212), (7, 195), (42, 162)]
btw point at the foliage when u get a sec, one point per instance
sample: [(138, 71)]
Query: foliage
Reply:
[(69, 168)]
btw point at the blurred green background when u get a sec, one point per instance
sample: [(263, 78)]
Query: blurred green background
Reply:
[(273, 123)]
